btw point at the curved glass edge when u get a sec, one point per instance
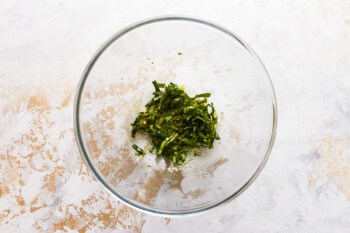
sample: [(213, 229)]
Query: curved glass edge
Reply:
[(83, 152)]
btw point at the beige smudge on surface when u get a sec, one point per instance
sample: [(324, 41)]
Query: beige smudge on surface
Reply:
[(235, 136), (211, 169), (152, 187), (195, 194), (222, 115), (176, 180), (120, 165), (154, 183), (347, 22), (36, 205), (51, 179), (4, 190), (39, 102), (115, 89), (333, 163), (167, 220)]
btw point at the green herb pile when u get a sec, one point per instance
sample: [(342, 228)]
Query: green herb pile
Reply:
[(176, 123)]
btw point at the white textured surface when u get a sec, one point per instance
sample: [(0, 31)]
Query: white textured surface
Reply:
[(44, 47)]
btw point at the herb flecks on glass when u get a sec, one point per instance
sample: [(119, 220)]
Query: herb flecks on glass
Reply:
[(176, 123)]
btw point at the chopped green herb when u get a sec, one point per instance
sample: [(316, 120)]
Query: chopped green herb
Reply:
[(139, 151), (176, 123), (179, 53)]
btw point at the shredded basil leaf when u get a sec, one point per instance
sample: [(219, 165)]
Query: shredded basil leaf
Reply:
[(176, 123), (139, 151)]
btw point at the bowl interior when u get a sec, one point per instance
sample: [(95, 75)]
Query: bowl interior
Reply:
[(202, 58)]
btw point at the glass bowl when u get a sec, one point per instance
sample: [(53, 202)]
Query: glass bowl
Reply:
[(202, 57)]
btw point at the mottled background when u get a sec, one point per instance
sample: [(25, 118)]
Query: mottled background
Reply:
[(44, 185)]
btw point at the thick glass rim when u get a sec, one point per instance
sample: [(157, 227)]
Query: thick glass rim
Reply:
[(84, 153)]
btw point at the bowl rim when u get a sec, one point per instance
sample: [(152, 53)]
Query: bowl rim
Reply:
[(83, 151)]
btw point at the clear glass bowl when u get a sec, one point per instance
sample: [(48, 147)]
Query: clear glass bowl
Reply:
[(202, 57)]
